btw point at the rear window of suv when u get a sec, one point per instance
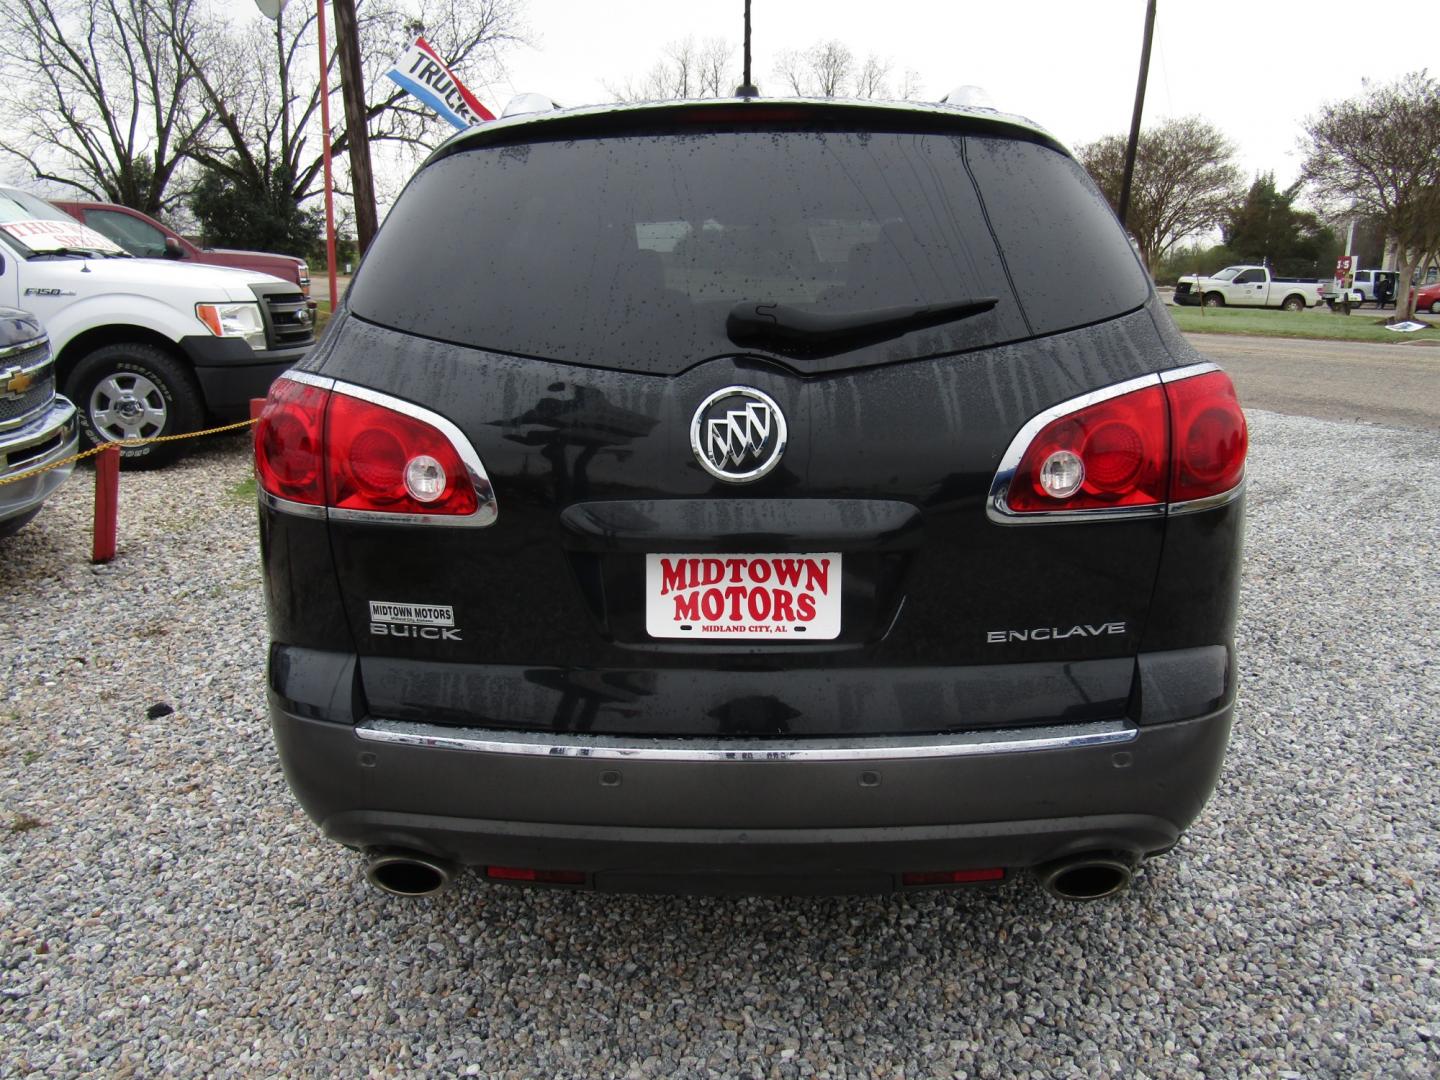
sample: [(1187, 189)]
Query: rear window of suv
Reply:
[(628, 251)]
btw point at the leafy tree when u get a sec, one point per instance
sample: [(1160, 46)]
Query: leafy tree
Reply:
[(102, 98), (231, 214), (1185, 181), (1266, 228), (1379, 154)]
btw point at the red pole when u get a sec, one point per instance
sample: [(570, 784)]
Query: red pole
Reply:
[(107, 503), (325, 154)]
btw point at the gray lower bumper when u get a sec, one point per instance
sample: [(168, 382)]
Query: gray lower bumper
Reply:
[(672, 817)]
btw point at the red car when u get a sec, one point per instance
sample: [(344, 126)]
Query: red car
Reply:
[(1428, 299), (143, 236)]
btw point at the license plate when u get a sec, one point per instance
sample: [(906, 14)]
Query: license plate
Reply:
[(755, 597)]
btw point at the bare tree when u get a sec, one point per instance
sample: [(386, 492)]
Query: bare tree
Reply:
[(1185, 181), (685, 70), (262, 83), (831, 69), (103, 97), (1380, 152)]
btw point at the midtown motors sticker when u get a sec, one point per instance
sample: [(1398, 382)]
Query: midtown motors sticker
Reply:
[(427, 622), (775, 597)]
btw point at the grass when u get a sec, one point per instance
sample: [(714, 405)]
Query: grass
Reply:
[(322, 315), (243, 492), (1321, 325)]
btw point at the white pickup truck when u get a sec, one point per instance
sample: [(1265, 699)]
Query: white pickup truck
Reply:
[(145, 347), (1248, 286)]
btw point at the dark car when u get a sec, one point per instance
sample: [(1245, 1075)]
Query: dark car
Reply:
[(752, 495)]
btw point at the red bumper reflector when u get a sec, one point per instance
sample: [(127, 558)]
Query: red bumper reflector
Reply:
[(952, 877), (545, 877)]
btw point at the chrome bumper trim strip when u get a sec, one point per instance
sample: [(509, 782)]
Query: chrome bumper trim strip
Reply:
[(604, 747)]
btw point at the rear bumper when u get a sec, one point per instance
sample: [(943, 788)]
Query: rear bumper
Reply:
[(675, 816)]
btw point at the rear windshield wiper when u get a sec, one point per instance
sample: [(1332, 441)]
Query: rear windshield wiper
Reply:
[(789, 330)]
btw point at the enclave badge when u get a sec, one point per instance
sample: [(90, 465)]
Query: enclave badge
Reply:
[(738, 434)]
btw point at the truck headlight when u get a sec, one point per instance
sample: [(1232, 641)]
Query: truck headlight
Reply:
[(240, 320)]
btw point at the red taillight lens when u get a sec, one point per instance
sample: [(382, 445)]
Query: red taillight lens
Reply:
[(289, 442), (1172, 442), (545, 877), (382, 460), (1210, 437), (1121, 449), (327, 447), (952, 877)]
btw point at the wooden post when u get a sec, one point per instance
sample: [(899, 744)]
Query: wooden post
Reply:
[(357, 131)]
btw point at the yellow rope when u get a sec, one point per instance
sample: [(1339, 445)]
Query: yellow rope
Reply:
[(73, 458)]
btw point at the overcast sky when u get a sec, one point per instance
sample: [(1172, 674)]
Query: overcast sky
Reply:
[(1255, 69)]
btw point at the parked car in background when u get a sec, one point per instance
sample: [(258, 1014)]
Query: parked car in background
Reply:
[(1248, 286), (144, 237), (1428, 299), (767, 510), (1373, 286), (146, 347), (37, 425)]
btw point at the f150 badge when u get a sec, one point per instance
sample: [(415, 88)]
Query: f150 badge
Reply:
[(428, 622)]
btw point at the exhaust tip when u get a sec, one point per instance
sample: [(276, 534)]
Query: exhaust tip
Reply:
[(407, 873), (1087, 877)]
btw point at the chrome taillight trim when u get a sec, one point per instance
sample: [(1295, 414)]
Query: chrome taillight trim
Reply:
[(997, 508), (1210, 501), (486, 510), (609, 747)]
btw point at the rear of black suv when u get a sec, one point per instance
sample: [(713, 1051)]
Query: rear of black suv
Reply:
[(760, 496)]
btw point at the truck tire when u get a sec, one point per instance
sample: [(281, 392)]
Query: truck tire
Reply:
[(1214, 299), (1294, 303), (134, 390)]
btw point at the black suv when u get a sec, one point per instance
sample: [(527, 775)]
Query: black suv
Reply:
[(752, 495)]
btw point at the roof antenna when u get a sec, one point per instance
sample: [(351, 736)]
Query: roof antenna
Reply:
[(747, 88)]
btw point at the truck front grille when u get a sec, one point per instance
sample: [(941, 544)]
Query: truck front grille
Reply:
[(30, 365)]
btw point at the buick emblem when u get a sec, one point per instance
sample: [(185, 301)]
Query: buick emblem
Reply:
[(738, 434)]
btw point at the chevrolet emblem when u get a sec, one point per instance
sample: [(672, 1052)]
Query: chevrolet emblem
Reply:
[(15, 382)]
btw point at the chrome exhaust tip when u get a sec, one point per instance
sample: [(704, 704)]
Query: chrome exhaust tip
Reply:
[(407, 873), (1092, 876)]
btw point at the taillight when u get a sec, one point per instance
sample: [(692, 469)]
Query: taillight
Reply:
[(1143, 447), (288, 439), (367, 456), (1110, 454), (384, 461), (1210, 437)]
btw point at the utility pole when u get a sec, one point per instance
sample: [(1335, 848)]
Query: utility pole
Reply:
[(357, 126), (1134, 142)]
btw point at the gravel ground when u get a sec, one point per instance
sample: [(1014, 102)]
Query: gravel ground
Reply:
[(165, 907)]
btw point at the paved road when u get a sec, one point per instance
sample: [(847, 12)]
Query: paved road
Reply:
[(1393, 385)]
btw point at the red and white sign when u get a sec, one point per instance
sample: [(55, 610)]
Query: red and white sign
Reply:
[(421, 71), (784, 597), (42, 234)]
